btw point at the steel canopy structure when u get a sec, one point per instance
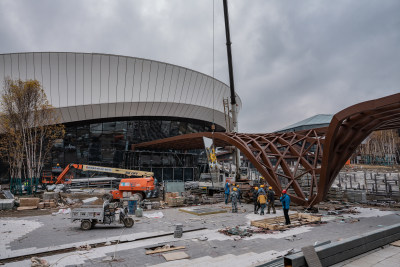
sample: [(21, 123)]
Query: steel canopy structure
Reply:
[(284, 158)]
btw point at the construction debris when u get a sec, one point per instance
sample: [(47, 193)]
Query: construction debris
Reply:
[(7, 204), (39, 262), (6, 194), (278, 223), (202, 211), (90, 200), (154, 215), (175, 256), (62, 211), (242, 232), (83, 247), (161, 249)]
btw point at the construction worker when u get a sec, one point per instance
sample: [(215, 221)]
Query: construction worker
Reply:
[(285, 199), (234, 199), (262, 199), (271, 200), (238, 191), (261, 191), (255, 200), (227, 191)]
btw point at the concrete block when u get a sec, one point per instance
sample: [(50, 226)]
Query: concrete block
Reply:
[(50, 195), (89, 200), (6, 204), (29, 202)]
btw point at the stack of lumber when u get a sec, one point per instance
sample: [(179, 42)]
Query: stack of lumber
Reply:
[(28, 203), (47, 203), (173, 199), (278, 223)]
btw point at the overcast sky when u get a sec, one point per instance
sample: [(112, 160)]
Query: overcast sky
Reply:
[(292, 59)]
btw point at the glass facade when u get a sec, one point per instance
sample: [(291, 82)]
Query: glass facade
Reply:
[(109, 143)]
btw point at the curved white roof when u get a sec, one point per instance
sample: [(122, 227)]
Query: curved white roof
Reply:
[(86, 86)]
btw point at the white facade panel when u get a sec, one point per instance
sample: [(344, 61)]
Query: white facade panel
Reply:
[(144, 83), (96, 110), (95, 79), (37, 67), (104, 79), (130, 72), (112, 110), (81, 112), (88, 112), (7, 66), (113, 80), (167, 82), (121, 79), (70, 77), (79, 80), (29, 66), (63, 86), (14, 65), (152, 82), (87, 79), (158, 90), (137, 80)]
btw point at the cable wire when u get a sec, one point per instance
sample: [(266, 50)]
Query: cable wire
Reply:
[(213, 69)]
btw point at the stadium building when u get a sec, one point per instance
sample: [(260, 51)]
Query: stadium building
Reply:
[(110, 102)]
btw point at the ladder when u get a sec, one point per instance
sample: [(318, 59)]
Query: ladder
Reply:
[(226, 113)]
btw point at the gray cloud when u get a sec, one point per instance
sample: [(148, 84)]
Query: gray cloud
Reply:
[(292, 59)]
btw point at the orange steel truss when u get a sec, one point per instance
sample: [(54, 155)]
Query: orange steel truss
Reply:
[(319, 154)]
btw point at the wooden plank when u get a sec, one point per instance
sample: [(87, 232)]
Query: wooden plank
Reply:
[(27, 208), (278, 223), (396, 243), (175, 256), (163, 250)]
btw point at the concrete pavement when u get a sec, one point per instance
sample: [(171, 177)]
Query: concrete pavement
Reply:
[(51, 231)]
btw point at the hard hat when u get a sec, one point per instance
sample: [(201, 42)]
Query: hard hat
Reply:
[(256, 188), (262, 186), (283, 191), (270, 187), (237, 185), (58, 164), (234, 189)]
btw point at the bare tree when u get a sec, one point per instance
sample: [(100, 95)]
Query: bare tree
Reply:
[(381, 147), (31, 126)]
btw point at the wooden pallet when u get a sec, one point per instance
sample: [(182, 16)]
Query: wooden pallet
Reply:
[(278, 223)]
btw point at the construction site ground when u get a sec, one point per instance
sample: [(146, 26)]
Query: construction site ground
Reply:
[(23, 237)]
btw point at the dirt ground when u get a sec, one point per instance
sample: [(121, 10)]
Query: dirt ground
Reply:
[(375, 168), (25, 213)]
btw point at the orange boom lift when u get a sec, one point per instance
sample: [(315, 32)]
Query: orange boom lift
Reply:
[(139, 183)]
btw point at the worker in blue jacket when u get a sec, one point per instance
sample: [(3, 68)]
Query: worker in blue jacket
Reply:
[(239, 196), (285, 199), (227, 191)]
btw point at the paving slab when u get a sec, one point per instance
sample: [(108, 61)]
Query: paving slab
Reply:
[(203, 211)]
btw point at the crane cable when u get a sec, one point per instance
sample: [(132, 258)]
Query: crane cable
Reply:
[(213, 156), (213, 68)]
